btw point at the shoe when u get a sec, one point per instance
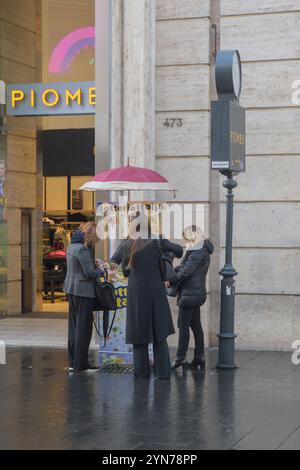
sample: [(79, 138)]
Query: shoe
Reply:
[(198, 362), (178, 363), (92, 368), (89, 369)]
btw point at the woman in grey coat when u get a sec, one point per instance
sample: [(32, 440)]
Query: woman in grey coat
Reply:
[(80, 287), (149, 318)]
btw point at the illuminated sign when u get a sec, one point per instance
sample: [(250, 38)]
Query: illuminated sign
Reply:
[(44, 99), (69, 47)]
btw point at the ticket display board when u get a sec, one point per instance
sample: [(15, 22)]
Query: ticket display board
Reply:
[(228, 140)]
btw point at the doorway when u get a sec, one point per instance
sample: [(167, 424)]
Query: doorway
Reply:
[(68, 163)]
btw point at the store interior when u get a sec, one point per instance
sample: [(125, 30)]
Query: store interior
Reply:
[(68, 162), (67, 144)]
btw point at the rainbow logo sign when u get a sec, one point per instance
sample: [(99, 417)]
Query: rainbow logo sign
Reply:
[(69, 47)]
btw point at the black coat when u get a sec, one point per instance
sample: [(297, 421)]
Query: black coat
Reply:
[(148, 312), (191, 276)]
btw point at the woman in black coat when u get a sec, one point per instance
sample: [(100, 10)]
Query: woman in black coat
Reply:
[(191, 278), (149, 319)]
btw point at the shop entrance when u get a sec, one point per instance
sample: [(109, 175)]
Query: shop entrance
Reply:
[(68, 162), (48, 117)]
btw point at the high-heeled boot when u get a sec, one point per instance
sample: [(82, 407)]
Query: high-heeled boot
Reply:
[(196, 362), (178, 363)]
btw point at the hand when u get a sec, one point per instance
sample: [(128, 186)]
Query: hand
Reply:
[(167, 284), (101, 264), (112, 271)]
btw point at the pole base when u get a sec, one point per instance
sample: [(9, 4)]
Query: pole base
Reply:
[(226, 366)]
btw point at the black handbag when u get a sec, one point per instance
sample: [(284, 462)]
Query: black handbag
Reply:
[(173, 291), (105, 299), (166, 267)]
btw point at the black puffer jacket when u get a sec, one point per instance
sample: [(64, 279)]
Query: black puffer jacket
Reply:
[(191, 275)]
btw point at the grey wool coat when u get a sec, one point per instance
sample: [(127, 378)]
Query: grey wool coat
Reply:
[(81, 271), (148, 313)]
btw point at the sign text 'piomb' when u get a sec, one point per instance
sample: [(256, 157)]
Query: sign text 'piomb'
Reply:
[(44, 99)]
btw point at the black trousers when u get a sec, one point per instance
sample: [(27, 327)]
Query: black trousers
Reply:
[(80, 330), (189, 317), (162, 366)]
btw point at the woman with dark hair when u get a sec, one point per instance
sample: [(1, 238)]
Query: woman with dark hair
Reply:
[(149, 319)]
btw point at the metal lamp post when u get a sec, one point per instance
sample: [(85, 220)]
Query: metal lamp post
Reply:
[(227, 335), (228, 157)]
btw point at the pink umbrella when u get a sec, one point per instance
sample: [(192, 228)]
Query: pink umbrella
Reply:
[(128, 178)]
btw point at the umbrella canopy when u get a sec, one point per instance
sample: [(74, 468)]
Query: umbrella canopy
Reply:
[(128, 178)]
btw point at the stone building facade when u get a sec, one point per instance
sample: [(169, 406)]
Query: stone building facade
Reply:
[(182, 44), (18, 64), (162, 62)]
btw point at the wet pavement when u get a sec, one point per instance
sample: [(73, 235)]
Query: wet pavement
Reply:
[(254, 407)]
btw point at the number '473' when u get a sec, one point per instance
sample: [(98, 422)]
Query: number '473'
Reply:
[(174, 122)]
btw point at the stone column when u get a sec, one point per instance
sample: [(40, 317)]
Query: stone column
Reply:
[(133, 82), (214, 195)]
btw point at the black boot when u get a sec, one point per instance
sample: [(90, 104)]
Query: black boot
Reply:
[(196, 362), (178, 363)]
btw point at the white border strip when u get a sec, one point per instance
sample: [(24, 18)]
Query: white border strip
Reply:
[(216, 165), (126, 186)]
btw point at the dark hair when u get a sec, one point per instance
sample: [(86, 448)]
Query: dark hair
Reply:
[(138, 245), (143, 228)]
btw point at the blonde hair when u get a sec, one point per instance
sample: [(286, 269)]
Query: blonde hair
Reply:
[(89, 229), (193, 235)]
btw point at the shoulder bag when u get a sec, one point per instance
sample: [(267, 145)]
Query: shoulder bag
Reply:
[(166, 268), (105, 301)]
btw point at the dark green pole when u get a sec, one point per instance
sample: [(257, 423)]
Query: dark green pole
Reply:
[(227, 335)]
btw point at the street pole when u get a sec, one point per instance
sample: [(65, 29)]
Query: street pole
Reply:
[(228, 156), (227, 335)]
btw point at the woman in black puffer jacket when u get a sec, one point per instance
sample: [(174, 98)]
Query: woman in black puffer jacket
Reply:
[(191, 278)]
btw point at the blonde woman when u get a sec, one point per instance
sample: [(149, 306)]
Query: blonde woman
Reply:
[(191, 278)]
